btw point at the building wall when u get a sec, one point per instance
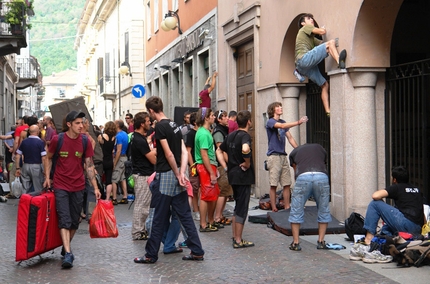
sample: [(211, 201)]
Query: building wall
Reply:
[(356, 94)]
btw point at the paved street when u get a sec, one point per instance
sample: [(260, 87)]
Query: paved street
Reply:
[(111, 260)]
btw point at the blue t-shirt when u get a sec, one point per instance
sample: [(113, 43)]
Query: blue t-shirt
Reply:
[(276, 137), (122, 138), (33, 149)]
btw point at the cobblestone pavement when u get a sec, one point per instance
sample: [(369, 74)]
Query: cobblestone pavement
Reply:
[(111, 260)]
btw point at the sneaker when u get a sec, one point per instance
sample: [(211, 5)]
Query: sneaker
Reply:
[(143, 237), (342, 57), (321, 245), (295, 247), (376, 257), (68, 260), (218, 225), (123, 201), (242, 244), (182, 244), (208, 228), (196, 216), (357, 251)]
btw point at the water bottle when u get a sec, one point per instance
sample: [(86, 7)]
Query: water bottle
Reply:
[(299, 76), (130, 197)]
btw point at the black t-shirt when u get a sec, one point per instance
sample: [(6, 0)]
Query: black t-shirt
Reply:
[(409, 200), (167, 129), (139, 148), (190, 141), (232, 145), (309, 158)]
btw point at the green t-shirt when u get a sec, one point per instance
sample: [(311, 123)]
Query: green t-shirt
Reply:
[(204, 140), (305, 41)]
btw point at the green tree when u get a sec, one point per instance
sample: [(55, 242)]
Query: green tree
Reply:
[(53, 34)]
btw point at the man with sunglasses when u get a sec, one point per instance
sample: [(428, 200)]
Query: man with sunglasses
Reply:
[(129, 121)]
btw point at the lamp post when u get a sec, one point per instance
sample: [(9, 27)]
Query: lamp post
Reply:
[(171, 21)]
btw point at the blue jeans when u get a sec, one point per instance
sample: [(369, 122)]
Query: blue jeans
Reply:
[(171, 234), (308, 64), (162, 204), (307, 185), (394, 220)]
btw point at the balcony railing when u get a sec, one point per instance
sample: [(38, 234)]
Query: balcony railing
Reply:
[(18, 29)]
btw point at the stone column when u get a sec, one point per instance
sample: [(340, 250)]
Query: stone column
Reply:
[(364, 142), (290, 106)]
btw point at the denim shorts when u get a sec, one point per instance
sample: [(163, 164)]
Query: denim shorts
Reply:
[(308, 64), (307, 185)]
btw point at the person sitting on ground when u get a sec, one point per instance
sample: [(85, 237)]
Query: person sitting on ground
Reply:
[(310, 51), (406, 216)]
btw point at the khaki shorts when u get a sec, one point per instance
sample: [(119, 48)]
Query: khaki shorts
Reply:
[(118, 172), (279, 170), (223, 184)]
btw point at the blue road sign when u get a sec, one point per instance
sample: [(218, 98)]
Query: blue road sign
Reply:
[(138, 91)]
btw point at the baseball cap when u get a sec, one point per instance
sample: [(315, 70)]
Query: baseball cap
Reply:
[(71, 116)]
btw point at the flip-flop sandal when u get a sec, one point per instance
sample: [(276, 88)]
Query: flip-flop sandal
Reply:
[(225, 221)]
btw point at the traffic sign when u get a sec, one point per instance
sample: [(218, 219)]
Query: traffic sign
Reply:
[(138, 91)]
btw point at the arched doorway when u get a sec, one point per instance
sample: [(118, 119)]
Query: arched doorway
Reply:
[(408, 94)]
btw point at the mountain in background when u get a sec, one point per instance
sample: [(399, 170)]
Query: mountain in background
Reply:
[(53, 32)]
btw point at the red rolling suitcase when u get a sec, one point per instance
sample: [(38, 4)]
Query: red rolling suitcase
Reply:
[(37, 225)]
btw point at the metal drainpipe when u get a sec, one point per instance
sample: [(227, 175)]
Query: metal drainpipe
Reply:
[(119, 64)]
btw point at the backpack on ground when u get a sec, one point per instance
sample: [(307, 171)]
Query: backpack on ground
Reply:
[(57, 151), (354, 225)]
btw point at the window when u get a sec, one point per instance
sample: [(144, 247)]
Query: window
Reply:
[(148, 17), (61, 92), (156, 12), (107, 67), (175, 5), (126, 47), (164, 8)]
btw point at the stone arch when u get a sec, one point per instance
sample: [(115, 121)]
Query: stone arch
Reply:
[(287, 64), (371, 41)]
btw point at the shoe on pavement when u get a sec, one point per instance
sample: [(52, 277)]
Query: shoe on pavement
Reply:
[(295, 247), (123, 201), (68, 260), (144, 259), (342, 57), (182, 244), (193, 257), (114, 202), (357, 251), (196, 216), (376, 257), (218, 225), (208, 228), (242, 244), (321, 245)]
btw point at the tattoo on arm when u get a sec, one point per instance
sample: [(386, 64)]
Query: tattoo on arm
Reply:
[(90, 168)]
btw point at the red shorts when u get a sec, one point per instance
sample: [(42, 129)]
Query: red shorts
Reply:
[(208, 191)]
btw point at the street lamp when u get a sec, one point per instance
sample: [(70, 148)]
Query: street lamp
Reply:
[(171, 21), (125, 69)]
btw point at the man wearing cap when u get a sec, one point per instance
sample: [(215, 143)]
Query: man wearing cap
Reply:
[(69, 179)]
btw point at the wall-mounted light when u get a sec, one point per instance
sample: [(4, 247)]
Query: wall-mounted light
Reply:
[(125, 69), (171, 21)]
